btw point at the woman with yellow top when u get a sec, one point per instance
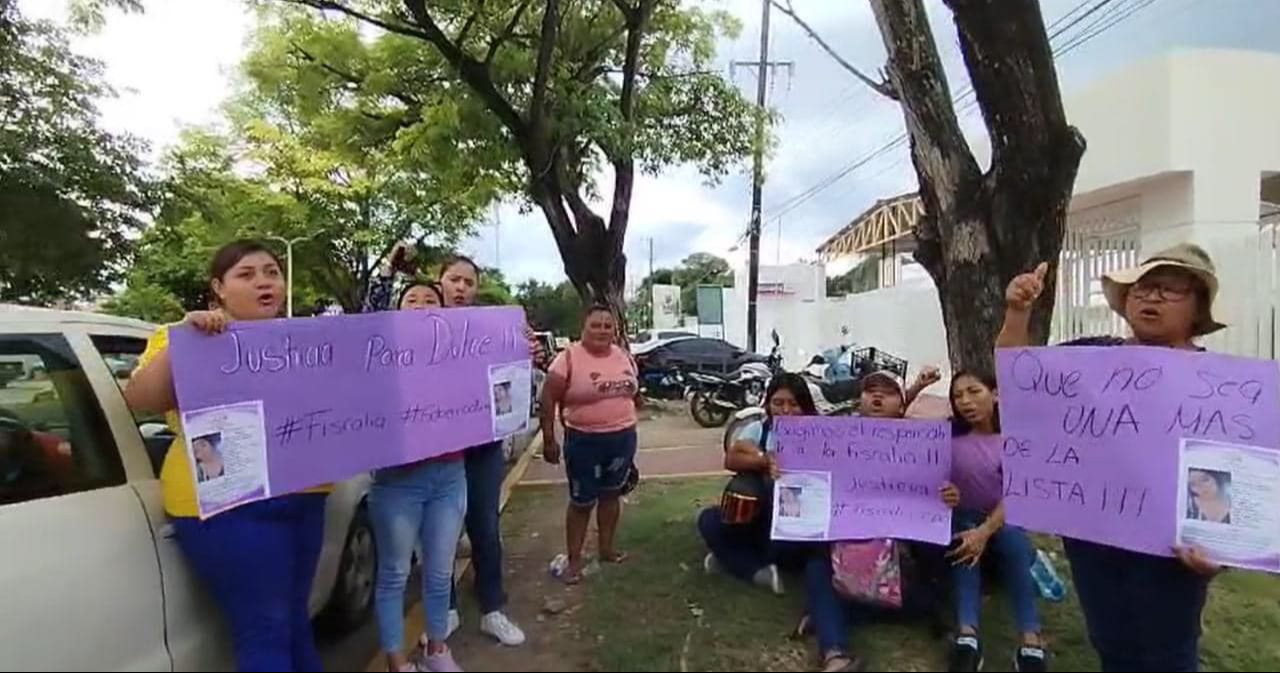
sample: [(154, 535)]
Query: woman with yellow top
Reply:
[(257, 560)]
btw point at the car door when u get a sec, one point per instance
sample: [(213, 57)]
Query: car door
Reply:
[(79, 575), (197, 635)]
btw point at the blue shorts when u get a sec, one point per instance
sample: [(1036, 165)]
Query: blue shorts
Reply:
[(597, 463)]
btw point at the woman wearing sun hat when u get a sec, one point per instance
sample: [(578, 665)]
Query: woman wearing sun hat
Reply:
[(1143, 611)]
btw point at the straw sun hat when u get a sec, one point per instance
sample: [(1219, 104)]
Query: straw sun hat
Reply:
[(1186, 256)]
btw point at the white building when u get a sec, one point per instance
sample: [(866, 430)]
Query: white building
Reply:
[(1185, 147)]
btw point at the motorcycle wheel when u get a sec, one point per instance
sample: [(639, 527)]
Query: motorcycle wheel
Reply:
[(705, 413)]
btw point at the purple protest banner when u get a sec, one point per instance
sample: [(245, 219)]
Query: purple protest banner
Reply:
[(274, 407), (1092, 435), (879, 478)]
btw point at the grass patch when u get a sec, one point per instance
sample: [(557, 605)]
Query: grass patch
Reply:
[(659, 612)]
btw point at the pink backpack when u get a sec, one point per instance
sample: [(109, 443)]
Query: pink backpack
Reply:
[(868, 572)]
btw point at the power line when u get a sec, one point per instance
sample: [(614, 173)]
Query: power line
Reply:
[(1072, 18)]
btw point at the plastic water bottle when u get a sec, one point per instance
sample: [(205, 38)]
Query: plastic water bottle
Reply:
[(1046, 578)]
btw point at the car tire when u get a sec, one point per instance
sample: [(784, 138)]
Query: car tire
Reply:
[(352, 598), (705, 413)]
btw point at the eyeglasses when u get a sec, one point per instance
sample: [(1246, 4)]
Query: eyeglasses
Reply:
[(1141, 290)]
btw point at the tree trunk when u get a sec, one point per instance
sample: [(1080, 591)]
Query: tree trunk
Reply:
[(982, 229)]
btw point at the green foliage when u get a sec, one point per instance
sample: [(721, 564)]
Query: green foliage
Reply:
[(546, 105), (700, 268), (861, 278), (144, 301), (72, 193), (552, 308)]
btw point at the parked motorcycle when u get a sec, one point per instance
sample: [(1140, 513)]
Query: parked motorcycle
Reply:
[(715, 398), (836, 391), (665, 384)]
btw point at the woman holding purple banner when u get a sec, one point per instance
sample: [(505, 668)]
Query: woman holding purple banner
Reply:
[(1143, 611), (979, 524), (485, 468), (257, 560), (419, 505)]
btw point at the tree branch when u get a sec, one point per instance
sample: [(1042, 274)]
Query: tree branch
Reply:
[(507, 32), (299, 50), (474, 73), (342, 8), (590, 62), (461, 40), (882, 87)]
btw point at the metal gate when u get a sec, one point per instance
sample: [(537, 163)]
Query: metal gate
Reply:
[(1098, 240)]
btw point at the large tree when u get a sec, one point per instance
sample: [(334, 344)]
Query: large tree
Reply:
[(578, 89), (981, 228), (71, 193)]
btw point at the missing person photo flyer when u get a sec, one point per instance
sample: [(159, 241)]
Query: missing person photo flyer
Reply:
[(1229, 503), (227, 450), (510, 397), (802, 506)]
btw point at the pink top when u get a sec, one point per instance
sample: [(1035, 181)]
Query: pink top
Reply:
[(602, 390)]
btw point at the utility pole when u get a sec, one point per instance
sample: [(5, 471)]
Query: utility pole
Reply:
[(757, 187), (653, 304)]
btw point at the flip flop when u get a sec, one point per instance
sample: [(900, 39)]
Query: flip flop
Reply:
[(617, 558)]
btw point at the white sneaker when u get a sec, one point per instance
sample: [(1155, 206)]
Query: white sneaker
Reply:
[(497, 625), (711, 565), (769, 578), (455, 623)]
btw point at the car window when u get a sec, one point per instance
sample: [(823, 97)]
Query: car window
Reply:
[(54, 438), (675, 335), (643, 337), (689, 347), (121, 354)]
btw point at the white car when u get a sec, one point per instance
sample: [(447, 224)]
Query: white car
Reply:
[(647, 340), (91, 576)]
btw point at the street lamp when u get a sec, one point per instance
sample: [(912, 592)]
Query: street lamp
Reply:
[(288, 252)]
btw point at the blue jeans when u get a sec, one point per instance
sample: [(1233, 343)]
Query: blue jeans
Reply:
[(485, 470), (597, 463), (259, 561), (1014, 553), (743, 550), (1142, 611), (423, 503), (831, 615)]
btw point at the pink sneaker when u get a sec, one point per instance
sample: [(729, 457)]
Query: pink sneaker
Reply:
[(441, 663)]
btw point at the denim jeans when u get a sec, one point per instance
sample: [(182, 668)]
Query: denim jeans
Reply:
[(831, 615), (259, 562), (597, 463), (485, 471), (1142, 611), (424, 504), (742, 550), (1015, 555)]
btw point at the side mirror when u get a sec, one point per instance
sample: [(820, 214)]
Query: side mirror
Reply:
[(817, 360)]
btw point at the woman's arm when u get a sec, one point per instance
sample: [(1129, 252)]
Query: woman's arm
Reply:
[(1020, 297), (378, 298), (150, 389), (553, 390), (746, 456)]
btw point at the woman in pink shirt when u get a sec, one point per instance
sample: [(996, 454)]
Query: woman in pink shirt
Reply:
[(593, 384)]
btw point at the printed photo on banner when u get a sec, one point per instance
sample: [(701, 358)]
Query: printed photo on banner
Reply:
[(802, 506), (227, 449), (511, 391), (1229, 501)]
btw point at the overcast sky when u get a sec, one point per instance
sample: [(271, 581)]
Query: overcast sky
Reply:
[(173, 65)]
